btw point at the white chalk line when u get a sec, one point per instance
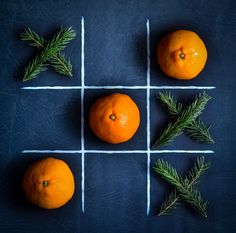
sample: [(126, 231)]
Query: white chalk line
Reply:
[(51, 151), (148, 182), (82, 118), (119, 87), (51, 88), (148, 116), (182, 151), (183, 87), (117, 151)]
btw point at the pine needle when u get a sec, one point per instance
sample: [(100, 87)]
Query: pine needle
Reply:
[(184, 187), (50, 51), (196, 129), (186, 117)]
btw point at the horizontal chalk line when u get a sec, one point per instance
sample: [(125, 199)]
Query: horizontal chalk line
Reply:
[(184, 151), (51, 88), (118, 151), (118, 87), (183, 87), (115, 87), (52, 151)]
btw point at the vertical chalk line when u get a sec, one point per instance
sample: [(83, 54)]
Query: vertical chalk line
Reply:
[(148, 116), (82, 116)]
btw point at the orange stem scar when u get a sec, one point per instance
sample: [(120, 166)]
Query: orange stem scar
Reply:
[(45, 183), (112, 117), (182, 55)]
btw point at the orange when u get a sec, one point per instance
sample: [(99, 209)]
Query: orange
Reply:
[(48, 183), (114, 118), (182, 54)]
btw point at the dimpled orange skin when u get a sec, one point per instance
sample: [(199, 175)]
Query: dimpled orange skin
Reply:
[(48, 183), (114, 118), (182, 54)]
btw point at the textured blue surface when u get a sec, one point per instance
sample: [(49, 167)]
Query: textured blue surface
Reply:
[(115, 54)]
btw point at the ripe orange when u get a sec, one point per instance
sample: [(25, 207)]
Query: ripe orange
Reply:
[(49, 183), (114, 118), (182, 54)]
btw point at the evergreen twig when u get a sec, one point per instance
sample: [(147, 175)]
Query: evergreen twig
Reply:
[(170, 203), (50, 52), (186, 117), (59, 61), (196, 129), (183, 186), (173, 200)]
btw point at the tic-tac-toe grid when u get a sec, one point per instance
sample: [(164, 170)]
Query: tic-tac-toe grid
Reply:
[(145, 88)]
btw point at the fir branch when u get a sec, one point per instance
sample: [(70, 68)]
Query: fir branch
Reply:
[(174, 108), (196, 129), (186, 117), (34, 39), (59, 61), (193, 197), (184, 187), (58, 43), (169, 204), (199, 132), (167, 172), (198, 170)]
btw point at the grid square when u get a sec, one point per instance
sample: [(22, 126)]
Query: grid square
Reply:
[(50, 77), (159, 187), (139, 140), (16, 210), (160, 118), (160, 190), (122, 185), (209, 75), (54, 120), (125, 63)]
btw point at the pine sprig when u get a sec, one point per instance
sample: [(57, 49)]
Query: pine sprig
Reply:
[(184, 187), (199, 132), (167, 172), (169, 204), (198, 170), (193, 197), (34, 39), (58, 43), (174, 108), (186, 117), (59, 62), (196, 129)]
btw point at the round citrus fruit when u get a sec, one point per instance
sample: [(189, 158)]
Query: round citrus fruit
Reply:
[(114, 118), (49, 183), (182, 54)]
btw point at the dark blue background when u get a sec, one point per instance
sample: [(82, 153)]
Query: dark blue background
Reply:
[(115, 54)]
